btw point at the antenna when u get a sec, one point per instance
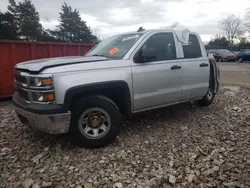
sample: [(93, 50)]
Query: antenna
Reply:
[(140, 29)]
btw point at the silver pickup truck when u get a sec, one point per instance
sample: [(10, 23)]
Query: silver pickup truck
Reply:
[(87, 96)]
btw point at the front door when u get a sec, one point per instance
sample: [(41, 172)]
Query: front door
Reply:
[(157, 81)]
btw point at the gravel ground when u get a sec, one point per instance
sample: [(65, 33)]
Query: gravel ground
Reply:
[(180, 146)]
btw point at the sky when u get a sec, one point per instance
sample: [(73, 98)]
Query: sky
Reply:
[(109, 17)]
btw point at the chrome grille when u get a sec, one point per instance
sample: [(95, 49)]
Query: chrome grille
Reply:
[(21, 78), (22, 93), (21, 82)]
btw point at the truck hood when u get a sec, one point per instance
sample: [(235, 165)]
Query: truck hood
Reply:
[(37, 66)]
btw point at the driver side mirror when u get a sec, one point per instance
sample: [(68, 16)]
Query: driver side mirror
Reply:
[(143, 56)]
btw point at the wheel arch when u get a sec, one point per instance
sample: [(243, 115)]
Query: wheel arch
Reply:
[(118, 91)]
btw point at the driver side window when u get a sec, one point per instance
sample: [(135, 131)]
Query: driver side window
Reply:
[(158, 47)]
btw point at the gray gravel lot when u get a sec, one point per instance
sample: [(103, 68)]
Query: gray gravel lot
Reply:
[(184, 145), (180, 146)]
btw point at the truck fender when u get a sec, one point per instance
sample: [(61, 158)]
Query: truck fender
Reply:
[(119, 87)]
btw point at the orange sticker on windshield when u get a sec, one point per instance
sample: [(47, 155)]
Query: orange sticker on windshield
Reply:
[(113, 51)]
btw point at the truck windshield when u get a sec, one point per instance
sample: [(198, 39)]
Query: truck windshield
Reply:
[(115, 47)]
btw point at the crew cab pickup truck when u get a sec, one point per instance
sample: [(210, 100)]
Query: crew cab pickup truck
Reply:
[(88, 96)]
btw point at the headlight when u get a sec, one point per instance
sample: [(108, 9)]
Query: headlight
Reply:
[(43, 96), (41, 82)]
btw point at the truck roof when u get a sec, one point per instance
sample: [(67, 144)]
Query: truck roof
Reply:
[(182, 35), (156, 30)]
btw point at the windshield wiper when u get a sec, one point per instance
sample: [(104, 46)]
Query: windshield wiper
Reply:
[(99, 55)]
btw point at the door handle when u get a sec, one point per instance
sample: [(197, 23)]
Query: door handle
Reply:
[(176, 67), (204, 65)]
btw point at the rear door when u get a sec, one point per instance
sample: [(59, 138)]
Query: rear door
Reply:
[(157, 82), (195, 69)]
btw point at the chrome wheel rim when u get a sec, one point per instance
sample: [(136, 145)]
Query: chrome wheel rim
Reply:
[(94, 123), (209, 94)]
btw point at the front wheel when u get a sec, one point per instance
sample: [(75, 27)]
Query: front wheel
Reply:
[(95, 122), (207, 99)]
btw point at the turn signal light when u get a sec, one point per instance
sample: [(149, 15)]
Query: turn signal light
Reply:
[(43, 97), (47, 81), (48, 97)]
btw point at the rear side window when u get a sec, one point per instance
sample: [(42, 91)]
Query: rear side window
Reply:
[(193, 49)]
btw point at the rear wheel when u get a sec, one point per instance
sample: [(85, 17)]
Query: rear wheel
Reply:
[(207, 99), (95, 122)]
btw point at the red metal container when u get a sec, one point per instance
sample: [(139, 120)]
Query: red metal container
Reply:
[(13, 52)]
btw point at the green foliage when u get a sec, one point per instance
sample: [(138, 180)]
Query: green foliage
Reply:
[(8, 29), (46, 36), (22, 21), (72, 28), (219, 41), (244, 43), (26, 18)]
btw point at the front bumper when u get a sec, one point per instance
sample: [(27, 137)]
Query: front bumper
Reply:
[(49, 118), (49, 123)]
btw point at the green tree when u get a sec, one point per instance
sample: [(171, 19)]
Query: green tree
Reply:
[(26, 18), (219, 41), (72, 28), (46, 36), (8, 29), (243, 42)]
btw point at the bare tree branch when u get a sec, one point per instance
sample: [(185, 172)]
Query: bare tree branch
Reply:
[(232, 27), (247, 19), (172, 26)]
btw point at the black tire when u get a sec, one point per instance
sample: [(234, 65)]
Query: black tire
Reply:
[(240, 60), (207, 99), (92, 102)]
